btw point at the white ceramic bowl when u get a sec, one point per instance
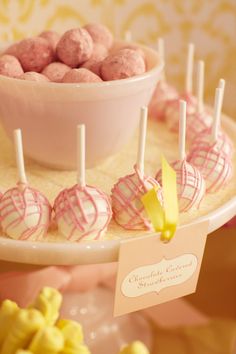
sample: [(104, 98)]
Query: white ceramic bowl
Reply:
[(48, 114)]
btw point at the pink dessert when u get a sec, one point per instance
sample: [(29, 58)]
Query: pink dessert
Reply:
[(100, 34), (52, 37), (33, 76), (196, 123), (75, 47), (34, 54), (12, 50), (56, 71), (10, 66), (123, 64), (160, 99), (95, 61), (80, 75)]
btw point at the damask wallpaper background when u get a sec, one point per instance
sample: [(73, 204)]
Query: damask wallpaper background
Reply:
[(211, 25)]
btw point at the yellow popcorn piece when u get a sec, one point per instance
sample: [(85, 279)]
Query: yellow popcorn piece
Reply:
[(72, 332), (8, 311), (26, 323), (47, 340), (135, 348), (48, 302), (81, 349)]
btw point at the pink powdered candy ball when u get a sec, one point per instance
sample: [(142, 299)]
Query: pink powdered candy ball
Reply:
[(162, 95), (118, 46), (34, 54), (123, 64), (80, 75), (128, 209), (25, 214), (215, 167), (95, 61), (223, 144), (56, 71), (33, 76), (12, 50), (10, 66), (100, 34), (52, 37), (190, 185), (75, 47), (82, 213), (172, 110)]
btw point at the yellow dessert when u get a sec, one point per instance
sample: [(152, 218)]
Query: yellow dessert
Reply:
[(135, 348), (48, 340), (8, 312)]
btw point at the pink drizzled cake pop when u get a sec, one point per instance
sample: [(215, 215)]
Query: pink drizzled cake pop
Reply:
[(10, 66), (163, 93), (190, 183), (128, 210), (215, 166), (201, 119), (25, 212), (82, 212), (204, 139), (100, 34), (75, 47), (172, 108)]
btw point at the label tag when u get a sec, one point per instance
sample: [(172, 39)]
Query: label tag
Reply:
[(151, 272)]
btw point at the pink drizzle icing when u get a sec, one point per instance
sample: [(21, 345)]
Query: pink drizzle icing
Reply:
[(131, 205), (70, 200), (190, 185), (215, 167), (21, 200)]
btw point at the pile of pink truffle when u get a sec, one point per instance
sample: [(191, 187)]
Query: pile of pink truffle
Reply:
[(85, 54)]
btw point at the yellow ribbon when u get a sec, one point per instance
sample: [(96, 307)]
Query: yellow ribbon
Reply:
[(163, 218)]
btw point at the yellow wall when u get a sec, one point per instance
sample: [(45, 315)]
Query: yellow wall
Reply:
[(211, 25)]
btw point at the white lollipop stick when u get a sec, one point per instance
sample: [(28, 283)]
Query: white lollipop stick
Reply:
[(182, 128), (217, 113), (20, 156), (161, 52), (200, 85), (128, 36), (222, 86), (142, 140), (189, 70), (81, 155)]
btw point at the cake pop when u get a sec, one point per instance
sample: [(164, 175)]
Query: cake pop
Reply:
[(75, 47), (172, 108), (200, 119), (122, 64), (10, 66), (204, 139), (100, 34), (82, 212), (25, 213), (190, 183), (163, 93), (128, 210), (215, 166)]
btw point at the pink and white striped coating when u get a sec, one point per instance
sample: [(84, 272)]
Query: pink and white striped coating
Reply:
[(215, 167), (223, 144), (82, 213), (162, 95), (25, 213), (196, 123), (190, 185), (172, 110), (128, 210)]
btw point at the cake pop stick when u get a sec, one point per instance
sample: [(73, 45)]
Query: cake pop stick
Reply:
[(200, 85), (128, 209), (209, 154), (82, 212), (25, 212), (161, 51), (128, 36), (189, 71), (190, 184)]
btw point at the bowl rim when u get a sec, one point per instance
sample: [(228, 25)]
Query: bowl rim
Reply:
[(114, 83)]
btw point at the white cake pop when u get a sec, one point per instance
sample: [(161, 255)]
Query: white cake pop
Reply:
[(25, 212), (172, 108), (163, 93), (128, 210), (190, 183), (204, 139), (82, 212), (215, 166)]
